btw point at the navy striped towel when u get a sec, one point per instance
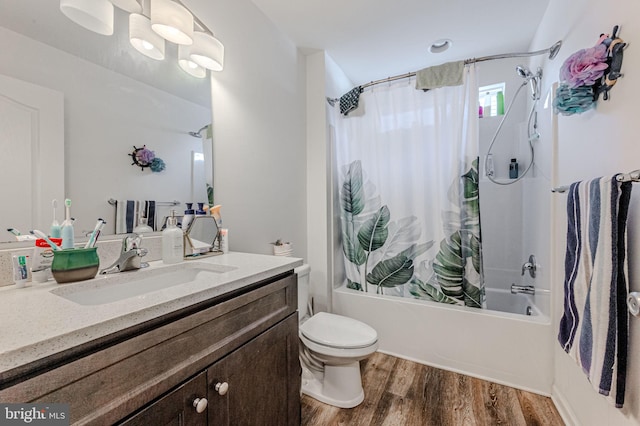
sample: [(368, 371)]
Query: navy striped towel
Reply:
[(128, 213), (594, 326)]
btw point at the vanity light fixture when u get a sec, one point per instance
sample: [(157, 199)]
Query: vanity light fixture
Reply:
[(172, 21), (207, 51), (94, 15), (151, 22), (131, 6), (187, 65), (143, 38)]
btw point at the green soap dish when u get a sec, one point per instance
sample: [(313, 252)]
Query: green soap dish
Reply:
[(75, 264)]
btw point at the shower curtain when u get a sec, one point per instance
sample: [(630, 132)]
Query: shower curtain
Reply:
[(408, 187)]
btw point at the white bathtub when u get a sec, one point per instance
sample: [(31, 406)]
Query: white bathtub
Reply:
[(503, 347)]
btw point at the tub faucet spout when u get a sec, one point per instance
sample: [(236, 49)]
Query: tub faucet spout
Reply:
[(526, 289)]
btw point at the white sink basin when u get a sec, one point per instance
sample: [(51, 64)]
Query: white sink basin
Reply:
[(124, 285)]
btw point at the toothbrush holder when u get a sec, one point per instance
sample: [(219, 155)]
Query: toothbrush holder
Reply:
[(75, 264)]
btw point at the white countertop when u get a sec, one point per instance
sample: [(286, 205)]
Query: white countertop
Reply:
[(36, 322)]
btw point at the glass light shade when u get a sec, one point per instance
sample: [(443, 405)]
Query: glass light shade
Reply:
[(187, 65), (94, 15), (207, 51), (172, 21), (143, 38), (131, 6)]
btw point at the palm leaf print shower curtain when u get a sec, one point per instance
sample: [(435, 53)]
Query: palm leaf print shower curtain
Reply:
[(408, 187)]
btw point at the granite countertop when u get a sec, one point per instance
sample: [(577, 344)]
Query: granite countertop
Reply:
[(42, 320)]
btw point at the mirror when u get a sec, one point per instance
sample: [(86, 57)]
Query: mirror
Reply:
[(113, 100), (201, 235)]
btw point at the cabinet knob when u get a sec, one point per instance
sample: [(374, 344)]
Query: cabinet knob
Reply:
[(200, 404), (221, 388)]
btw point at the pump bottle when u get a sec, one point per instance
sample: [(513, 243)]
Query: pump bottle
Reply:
[(172, 241)]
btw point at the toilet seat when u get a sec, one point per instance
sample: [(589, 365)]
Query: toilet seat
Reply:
[(336, 331)]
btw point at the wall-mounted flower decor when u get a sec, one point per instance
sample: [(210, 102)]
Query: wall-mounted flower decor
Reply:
[(588, 73), (144, 157)]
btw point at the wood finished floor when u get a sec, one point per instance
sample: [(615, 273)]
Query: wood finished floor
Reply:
[(404, 393)]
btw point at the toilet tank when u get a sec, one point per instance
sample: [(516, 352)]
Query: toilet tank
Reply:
[(303, 289)]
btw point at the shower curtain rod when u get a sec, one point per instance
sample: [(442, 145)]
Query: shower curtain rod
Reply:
[(633, 176), (553, 51)]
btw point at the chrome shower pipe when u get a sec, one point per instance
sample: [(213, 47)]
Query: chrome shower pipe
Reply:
[(553, 52)]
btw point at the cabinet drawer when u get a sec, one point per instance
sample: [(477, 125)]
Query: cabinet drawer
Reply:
[(111, 383)]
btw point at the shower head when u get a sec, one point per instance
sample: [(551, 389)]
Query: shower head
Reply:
[(553, 50), (524, 72), (533, 79), (198, 134)]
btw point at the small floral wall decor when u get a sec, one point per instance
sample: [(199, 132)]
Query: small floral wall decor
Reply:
[(588, 73), (144, 157)]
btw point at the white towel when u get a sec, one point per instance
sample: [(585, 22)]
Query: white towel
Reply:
[(448, 74), (594, 326), (127, 214)]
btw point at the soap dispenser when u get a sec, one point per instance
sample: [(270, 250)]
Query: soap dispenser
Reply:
[(172, 241)]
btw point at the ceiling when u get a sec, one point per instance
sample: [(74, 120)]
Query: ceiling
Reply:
[(374, 39)]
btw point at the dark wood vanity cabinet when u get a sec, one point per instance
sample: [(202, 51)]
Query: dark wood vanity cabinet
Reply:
[(239, 352), (256, 384)]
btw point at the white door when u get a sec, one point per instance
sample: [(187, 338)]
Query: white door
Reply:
[(31, 155)]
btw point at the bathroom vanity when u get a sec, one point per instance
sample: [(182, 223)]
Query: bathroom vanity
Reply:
[(220, 347)]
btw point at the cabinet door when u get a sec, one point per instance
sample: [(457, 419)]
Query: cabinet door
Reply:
[(177, 407), (259, 383)]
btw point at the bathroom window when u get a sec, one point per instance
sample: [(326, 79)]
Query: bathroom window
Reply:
[(489, 95)]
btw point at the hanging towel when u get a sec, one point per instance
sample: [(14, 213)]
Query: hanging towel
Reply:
[(349, 101), (150, 213), (127, 213), (594, 325), (449, 74)]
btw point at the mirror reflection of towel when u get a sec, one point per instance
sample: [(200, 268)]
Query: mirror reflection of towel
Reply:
[(128, 214)]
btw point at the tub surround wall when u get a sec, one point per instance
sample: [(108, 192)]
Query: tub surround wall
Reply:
[(596, 143)]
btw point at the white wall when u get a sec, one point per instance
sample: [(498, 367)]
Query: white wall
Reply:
[(592, 144), (106, 114), (258, 129)]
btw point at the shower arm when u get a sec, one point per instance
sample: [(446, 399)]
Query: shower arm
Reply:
[(553, 51)]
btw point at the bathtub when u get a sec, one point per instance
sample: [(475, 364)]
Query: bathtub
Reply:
[(509, 348)]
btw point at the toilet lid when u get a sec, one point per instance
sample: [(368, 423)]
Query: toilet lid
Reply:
[(338, 331)]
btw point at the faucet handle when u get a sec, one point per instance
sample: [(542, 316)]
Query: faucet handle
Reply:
[(530, 266)]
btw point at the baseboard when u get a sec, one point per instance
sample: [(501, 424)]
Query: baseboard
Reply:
[(467, 373), (563, 407)]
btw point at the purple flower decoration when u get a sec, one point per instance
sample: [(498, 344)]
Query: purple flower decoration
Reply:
[(145, 156), (584, 67)]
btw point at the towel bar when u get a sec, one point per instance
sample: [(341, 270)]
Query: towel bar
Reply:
[(169, 203), (633, 176)]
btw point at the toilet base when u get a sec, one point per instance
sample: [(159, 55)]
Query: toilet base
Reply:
[(337, 385)]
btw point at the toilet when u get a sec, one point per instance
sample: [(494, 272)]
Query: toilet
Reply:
[(330, 351)]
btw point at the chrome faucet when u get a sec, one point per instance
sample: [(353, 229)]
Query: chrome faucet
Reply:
[(530, 266), (130, 256), (526, 289)]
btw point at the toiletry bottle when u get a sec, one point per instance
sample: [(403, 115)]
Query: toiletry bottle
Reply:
[(500, 103), (224, 240), (200, 210), (513, 169), (486, 108), (188, 216), (172, 241), (490, 170), (480, 111)]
